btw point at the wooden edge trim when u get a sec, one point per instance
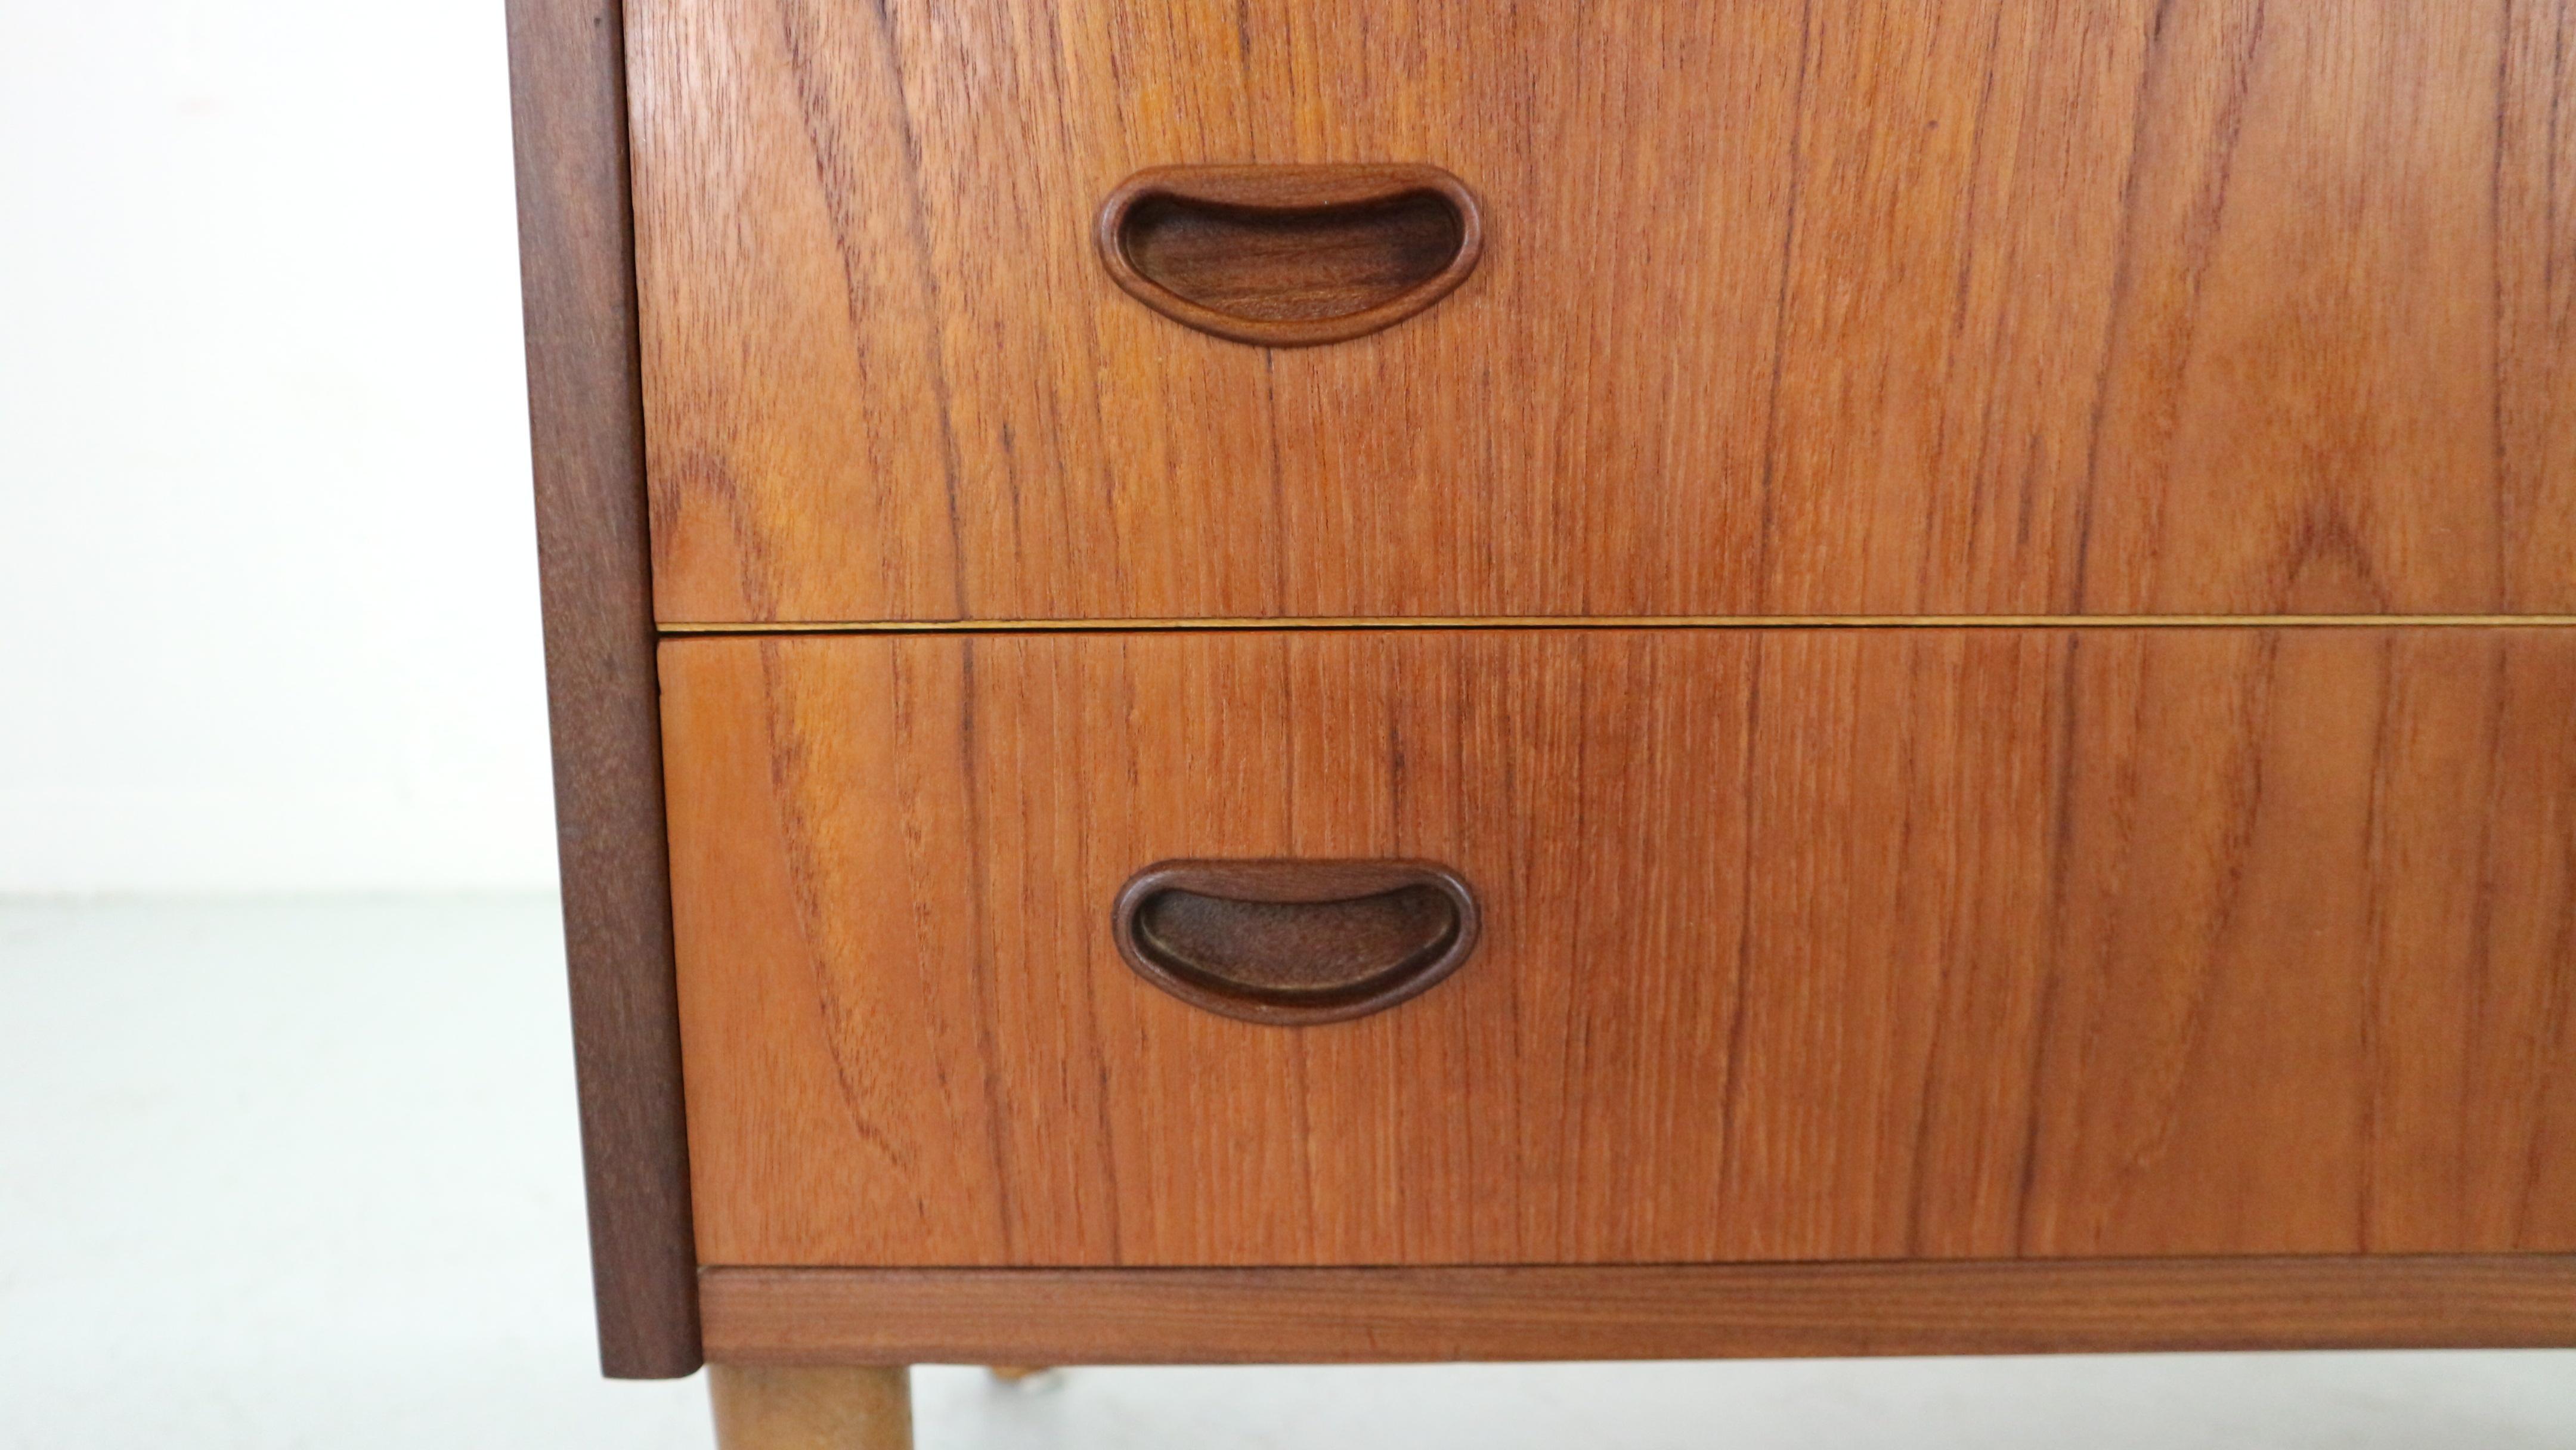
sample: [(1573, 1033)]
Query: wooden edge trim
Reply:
[(1629, 1312), (585, 405)]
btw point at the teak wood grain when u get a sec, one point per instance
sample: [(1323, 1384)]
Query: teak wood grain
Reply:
[(577, 270), (1979, 307), (1663, 1311), (1796, 945)]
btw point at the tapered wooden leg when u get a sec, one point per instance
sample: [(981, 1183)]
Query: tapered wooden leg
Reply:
[(784, 1408)]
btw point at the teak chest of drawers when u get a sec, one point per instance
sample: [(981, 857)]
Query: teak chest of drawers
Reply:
[(1806, 678)]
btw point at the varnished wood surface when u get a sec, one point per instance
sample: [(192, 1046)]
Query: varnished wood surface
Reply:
[(1990, 306), (576, 255), (1309, 1316), (1797, 945)]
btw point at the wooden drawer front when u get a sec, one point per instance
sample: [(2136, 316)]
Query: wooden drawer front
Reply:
[(1797, 944), (1978, 307)]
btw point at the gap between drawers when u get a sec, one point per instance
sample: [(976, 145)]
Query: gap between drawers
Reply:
[(1574, 622)]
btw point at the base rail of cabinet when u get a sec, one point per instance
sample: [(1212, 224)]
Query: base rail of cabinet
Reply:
[(811, 1316)]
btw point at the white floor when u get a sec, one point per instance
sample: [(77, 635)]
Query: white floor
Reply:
[(304, 1174)]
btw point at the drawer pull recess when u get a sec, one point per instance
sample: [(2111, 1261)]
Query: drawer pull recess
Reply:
[(1290, 256), (1290, 942)]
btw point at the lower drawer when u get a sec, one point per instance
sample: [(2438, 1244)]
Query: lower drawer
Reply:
[(1795, 945)]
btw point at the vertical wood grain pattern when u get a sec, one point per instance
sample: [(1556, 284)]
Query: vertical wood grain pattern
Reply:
[(1984, 307), (1907, 944), (576, 254)]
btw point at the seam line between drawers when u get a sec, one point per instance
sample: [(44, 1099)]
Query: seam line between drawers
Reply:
[(1606, 622)]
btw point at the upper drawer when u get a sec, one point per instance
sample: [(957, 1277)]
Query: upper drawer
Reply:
[(1979, 307)]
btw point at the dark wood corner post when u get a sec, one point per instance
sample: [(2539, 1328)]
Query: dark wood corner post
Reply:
[(577, 261)]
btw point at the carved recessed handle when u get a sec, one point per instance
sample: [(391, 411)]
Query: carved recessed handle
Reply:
[(1295, 941), (1291, 256)]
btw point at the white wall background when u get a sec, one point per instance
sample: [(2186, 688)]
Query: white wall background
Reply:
[(268, 615)]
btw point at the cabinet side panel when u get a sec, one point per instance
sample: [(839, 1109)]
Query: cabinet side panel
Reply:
[(576, 250)]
